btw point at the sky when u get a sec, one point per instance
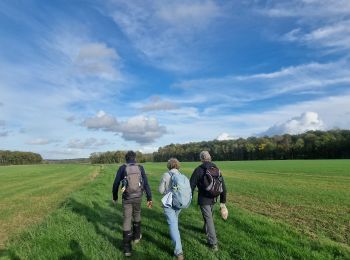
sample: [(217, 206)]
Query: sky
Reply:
[(78, 77)]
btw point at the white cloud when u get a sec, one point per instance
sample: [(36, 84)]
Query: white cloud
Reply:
[(255, 123), (53, 75), (101, 121), (308, 9), (323, 24), (165, 32), (326, 108), (188, 14), (157, 104), (148, 149), (184, 113), (235, 90), (224, 137), (296, 125), (41, 141), (140, 129), (334, 36), (96, 59), (2, 123), (89, 143)]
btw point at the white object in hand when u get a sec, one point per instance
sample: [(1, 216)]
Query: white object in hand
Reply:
[(223, 211)]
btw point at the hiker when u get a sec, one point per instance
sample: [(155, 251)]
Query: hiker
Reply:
[(177, 195), (134, 183), (210, 183)]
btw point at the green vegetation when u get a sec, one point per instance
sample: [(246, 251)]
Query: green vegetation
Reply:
[(278, 210), (334, 144), (29, 193), (117, 157), (16, 157)]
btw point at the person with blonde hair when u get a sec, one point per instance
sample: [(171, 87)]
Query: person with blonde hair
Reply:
[(171, 184)]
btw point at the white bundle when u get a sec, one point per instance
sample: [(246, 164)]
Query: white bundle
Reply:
[(223, 211)]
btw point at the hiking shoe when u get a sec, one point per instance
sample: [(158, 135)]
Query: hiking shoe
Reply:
[(180, 257), (135, 241), (127, 237), (214, 248)]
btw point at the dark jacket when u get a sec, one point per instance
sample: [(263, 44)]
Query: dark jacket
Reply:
[(196, 181), (120, 176)]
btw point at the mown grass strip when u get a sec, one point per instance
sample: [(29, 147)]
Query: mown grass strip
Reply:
[(39, 190)]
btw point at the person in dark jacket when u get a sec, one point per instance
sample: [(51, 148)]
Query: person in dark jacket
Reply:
[(206, 202), (134, 183)]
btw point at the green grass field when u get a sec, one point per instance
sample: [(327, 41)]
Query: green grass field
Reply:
[(278, 210), (29, 193)]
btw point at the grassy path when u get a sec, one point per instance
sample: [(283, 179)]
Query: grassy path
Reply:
[(29, 193), (273, 215)]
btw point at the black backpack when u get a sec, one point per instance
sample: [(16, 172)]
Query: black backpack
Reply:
[(212, 181)]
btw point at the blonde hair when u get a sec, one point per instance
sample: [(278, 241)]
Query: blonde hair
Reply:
[(173, 163)]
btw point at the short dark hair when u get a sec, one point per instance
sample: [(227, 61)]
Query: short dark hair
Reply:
[(130, 156)]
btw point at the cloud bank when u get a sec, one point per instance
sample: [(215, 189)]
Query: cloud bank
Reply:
[(297, 125), (89, 143), (41, 141), (224, 137), (141, 129)]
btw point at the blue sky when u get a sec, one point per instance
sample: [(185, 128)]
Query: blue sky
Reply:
[(85, 76)]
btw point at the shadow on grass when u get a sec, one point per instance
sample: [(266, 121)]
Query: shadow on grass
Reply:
[(77, 252), (102, 219), (188, 227), (107, 222), (153, 231), (9, 254)]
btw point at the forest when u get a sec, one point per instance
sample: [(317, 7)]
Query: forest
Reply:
[(332, 144), (16, 157)]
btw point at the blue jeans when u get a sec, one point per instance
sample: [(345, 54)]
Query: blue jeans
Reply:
[(172, 217)]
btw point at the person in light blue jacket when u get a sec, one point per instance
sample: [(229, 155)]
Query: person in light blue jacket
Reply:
[(172, 214)]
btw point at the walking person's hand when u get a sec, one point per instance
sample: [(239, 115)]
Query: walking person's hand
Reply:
[(149, 204)]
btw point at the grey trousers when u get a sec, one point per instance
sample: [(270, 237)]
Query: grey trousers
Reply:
[(131, 211), (207, 212)]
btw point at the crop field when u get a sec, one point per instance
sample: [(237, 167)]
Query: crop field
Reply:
[(277, 210)]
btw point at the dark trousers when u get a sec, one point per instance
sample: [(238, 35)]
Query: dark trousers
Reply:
[(207, 213)]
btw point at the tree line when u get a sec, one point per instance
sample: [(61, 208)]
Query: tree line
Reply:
[(333, 144), (117, 157), (16, 157)]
